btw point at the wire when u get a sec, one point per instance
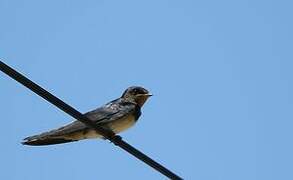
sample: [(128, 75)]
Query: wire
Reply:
[(116, 139)]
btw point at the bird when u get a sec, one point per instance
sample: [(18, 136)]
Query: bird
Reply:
[(117, 116)]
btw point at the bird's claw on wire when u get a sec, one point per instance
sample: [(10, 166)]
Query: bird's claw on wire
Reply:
[(116, 139)]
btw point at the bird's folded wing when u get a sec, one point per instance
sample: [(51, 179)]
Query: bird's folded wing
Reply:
[(100, 116)]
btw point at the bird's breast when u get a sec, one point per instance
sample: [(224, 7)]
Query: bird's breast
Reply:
[(122, 124), (116, 126)]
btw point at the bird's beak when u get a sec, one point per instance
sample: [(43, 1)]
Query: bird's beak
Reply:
[(149, 95), (145, 95)]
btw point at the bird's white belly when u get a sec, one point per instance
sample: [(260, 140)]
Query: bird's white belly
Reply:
[(123, 124), (116, 126)]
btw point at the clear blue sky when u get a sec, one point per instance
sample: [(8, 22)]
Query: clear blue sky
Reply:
[(221, 72)]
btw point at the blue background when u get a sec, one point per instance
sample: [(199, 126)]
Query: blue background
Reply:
[(221, 73)]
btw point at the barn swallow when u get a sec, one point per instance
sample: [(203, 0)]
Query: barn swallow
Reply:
[(117, 116)]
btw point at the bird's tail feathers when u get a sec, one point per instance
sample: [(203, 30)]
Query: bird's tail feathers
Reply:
[(40, 140)]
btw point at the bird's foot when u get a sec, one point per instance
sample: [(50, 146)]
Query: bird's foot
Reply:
[(116, 139)]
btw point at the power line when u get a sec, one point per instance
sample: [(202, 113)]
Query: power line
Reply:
[(116, 139)]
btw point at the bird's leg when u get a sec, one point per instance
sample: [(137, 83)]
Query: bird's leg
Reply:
[(116, 139)]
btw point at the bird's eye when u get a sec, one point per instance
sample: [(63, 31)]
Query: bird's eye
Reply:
[(135, 91)]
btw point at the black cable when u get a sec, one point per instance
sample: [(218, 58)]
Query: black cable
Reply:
[(117, 140)]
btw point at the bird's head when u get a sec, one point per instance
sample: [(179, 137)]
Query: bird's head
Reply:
[(136, 94)]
